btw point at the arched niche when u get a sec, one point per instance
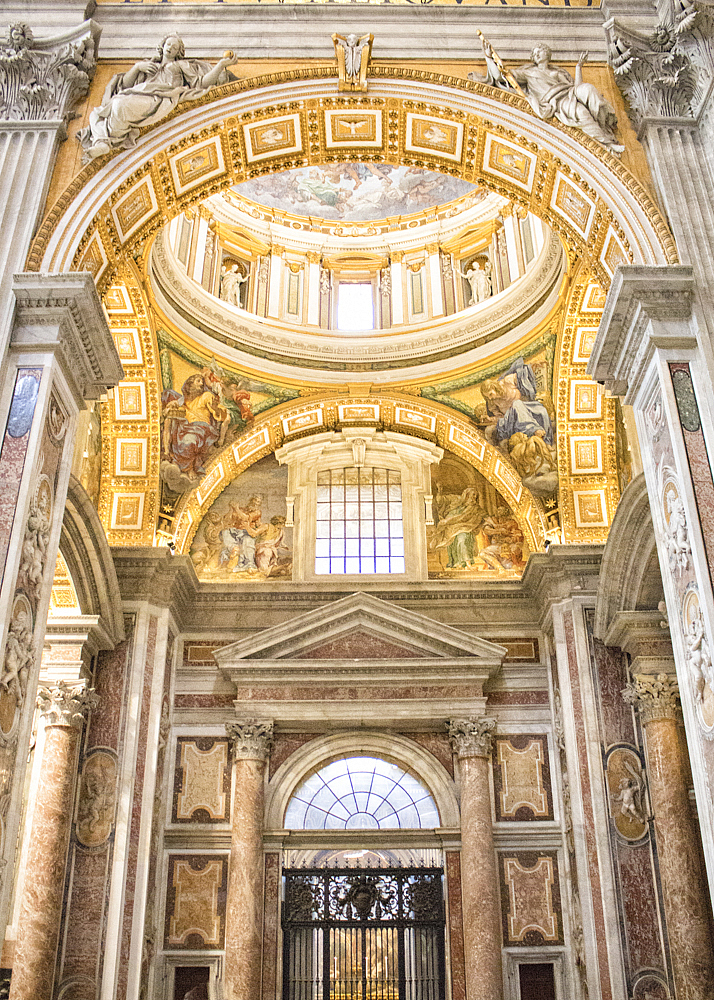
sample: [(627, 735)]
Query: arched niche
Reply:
[(397, 749), (114, 206)]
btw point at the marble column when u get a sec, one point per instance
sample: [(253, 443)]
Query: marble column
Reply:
[(471, 740), (683, 881), (251, 742), (63, 709)]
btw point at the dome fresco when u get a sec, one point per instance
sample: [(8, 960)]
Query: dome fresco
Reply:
[(356, 192)]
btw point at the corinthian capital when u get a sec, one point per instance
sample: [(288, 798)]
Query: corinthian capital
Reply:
[(250, 740), (471, 737), (42, 79), (65, 704), (657, 697), (665, 75)]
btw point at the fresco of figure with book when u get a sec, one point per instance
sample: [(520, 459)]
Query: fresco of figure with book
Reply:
[(243, 535), (475, 533), (513, 408)]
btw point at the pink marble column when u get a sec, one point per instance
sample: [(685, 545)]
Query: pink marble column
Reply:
[(683, 881), (471, 739), (33, 970), (251, 742)]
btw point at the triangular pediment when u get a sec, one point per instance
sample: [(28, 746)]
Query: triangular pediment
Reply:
[(360, 627)]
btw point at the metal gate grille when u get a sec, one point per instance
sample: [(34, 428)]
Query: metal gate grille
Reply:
[(359, 934)]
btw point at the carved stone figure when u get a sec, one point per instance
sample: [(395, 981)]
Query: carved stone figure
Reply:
[(231, 281), (146, 94), (95, 810), (19, 653), (353, 53), (699, 655), (631, 795), (677, 537), (553, 93), (40, 81), (480, 282), (36, 541)]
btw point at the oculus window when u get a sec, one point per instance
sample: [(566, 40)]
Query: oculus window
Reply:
[(359, 521), (361, 793)]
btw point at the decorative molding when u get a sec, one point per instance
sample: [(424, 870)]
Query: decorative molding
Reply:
[(65, 704), (250, 740), (666, 76), (471, 737), (42, 80), (70, 303), (656, 696)]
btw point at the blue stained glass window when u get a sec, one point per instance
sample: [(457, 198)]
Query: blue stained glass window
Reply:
[(361, 793)]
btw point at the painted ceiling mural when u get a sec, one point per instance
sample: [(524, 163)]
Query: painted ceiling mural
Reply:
[(475, 534), (356, 192), (512, 405), (243, 535)]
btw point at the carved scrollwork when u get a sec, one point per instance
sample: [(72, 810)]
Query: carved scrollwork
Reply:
[(250, 740), (471, 737)]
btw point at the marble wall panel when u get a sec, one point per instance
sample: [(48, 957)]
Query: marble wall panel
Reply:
[(456, 925), (196, 902), (518, 697), (521, 778), (136, 805), (640, 908), (271, 926), (90, 865), (202, 781), (284, 745), (616, 717), (437, 744), (530, 898)]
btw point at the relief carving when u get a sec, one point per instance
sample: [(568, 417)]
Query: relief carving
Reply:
[(699, 659), (676, 538), (626, 784), (95, 809), (36, 541), (19, 657)]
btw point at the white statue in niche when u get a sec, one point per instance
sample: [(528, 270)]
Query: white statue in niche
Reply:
[(553, 93), (480, 281), (231, 281), (146, 94)]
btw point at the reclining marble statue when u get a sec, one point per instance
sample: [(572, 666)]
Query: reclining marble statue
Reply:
[(553, 93), (145, 94)]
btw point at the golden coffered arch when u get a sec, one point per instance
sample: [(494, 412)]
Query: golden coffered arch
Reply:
[(258, 126), (404, 414)]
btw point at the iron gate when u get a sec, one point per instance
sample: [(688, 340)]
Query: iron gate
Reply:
[(363, 934)]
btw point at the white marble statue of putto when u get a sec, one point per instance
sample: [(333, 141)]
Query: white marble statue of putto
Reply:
[(553, 93), (148, 92)]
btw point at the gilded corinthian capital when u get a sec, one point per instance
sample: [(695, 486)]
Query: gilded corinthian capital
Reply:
[(250, 740), (471, 737), (656, 696)]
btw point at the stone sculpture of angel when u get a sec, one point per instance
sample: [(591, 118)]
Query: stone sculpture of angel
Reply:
[(698, 655), (146, 94), (677, 534), (19, 655)]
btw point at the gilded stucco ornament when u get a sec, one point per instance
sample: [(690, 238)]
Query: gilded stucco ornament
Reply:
[(43, 80), (146, 94)]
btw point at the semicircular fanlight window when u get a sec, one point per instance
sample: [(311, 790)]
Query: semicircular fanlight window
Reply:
[(361, 793)]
